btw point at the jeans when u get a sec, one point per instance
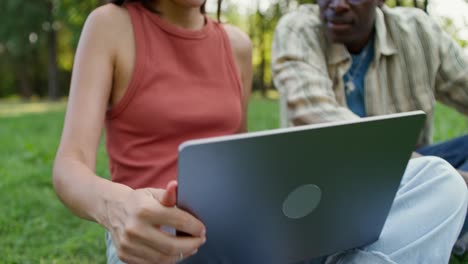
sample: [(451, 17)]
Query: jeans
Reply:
[(423, 224), (454, 151)]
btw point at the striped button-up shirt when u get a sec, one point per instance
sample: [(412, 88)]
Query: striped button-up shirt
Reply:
[(415, 63)]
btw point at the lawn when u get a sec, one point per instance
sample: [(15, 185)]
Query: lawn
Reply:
[(36, 228)]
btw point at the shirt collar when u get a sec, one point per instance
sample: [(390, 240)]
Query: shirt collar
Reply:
[(384, 44)]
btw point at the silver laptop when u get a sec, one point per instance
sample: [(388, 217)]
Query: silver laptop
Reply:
[(288, 195)]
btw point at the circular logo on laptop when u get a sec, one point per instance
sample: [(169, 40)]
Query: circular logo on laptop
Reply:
[(302, 201)]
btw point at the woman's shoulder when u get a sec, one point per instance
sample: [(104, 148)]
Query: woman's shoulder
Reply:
[(110, 13), (240, 41), (108, 21), (108, 25)]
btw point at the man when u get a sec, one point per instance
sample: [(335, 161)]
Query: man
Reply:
[(346, 59)]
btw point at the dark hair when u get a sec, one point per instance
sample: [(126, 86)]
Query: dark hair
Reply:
[(146, 4)]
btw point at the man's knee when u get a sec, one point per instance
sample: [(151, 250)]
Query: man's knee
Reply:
[(437, 176), (447, 182), (436, 191)]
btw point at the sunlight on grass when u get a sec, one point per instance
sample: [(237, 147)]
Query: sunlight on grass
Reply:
[(11, 109)]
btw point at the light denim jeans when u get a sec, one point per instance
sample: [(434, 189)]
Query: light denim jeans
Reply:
[(424, 222)]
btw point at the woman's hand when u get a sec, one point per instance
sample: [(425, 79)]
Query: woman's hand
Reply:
[(135, 225)]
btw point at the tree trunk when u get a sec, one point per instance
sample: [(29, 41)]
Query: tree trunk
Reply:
[(263, 87), (415, 3), (52, 65), (52, 59), (24, 82), (398, 2), (262, 65)]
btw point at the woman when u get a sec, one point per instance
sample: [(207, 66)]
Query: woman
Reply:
[(155, 73)]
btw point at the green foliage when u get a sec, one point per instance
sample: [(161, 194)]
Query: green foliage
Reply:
[(20, 38), (24, 40), (73, 13), (19, 20)]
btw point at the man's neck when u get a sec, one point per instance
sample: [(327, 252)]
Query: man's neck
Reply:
[(358, 46)]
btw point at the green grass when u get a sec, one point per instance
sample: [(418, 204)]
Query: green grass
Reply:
[(35, 227)]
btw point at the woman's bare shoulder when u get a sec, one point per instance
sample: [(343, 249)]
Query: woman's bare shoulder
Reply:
[(240, 41), (110, 13), (108, 23)]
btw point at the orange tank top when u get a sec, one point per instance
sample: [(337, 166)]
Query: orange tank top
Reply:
[(184, 86)]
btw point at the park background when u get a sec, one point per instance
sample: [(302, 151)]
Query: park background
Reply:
[(38, 39)]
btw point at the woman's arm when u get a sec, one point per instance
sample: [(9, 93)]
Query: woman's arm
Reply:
[(74, 178), (242, 50), (132, 216)]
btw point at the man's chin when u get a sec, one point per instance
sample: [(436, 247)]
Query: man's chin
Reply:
[(338, 39)]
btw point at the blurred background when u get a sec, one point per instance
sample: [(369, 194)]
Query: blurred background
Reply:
[(38, 39)]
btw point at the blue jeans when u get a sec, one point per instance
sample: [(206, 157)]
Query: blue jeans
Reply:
[(454, 151), (423, 224)]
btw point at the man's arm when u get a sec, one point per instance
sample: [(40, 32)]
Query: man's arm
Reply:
[(300, 73), (452, 77)]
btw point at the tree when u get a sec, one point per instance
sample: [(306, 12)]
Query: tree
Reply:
[(414, 3), (261, 29), (37, 40), (52, 67), (20, 33)]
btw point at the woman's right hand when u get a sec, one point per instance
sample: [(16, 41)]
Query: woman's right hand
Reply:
[(135, 225)]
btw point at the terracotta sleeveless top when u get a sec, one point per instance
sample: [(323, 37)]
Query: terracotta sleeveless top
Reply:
[(184, 86)]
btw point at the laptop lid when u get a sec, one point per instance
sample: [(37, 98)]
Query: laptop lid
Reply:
[(287, 195)]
